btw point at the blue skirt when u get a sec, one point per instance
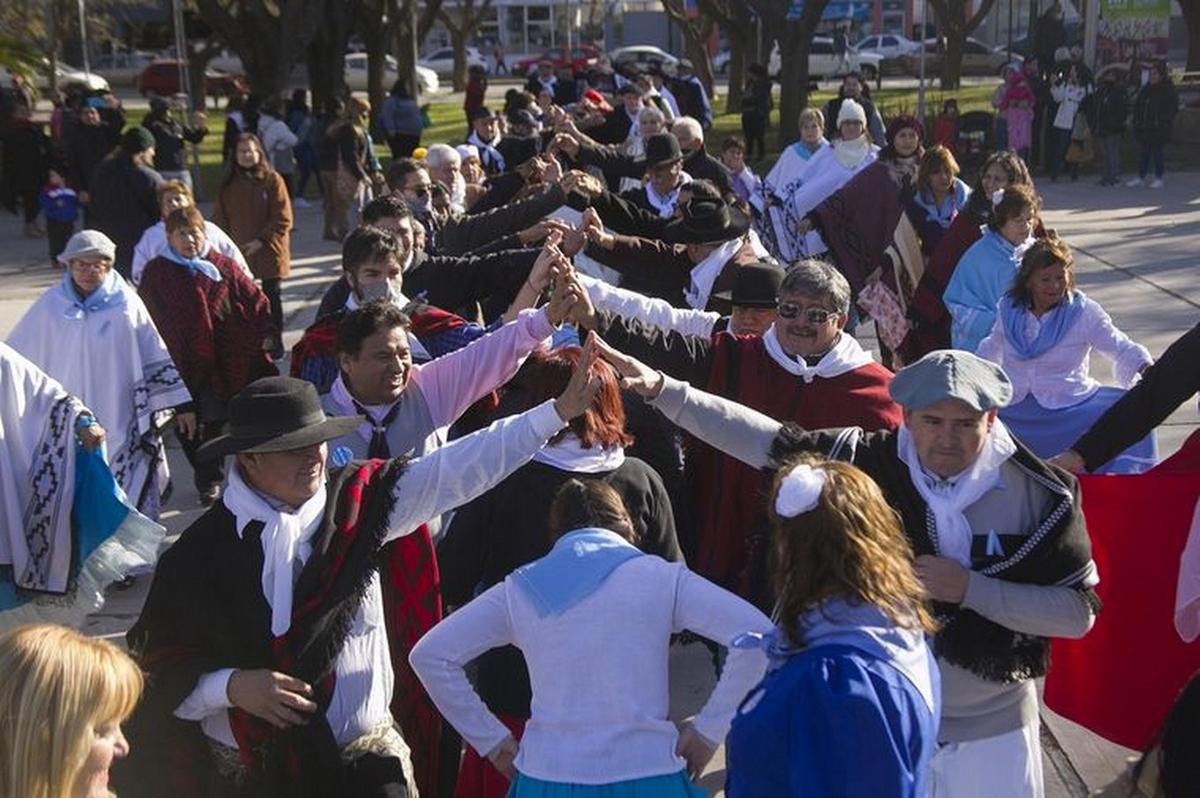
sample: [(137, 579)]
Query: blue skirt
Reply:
[(1050, 432), (671, 785)]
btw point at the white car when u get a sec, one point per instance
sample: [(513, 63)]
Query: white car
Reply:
[(822, 63), (888, 45), (643, 55), (70, 76), (356, 74), (442, 61)]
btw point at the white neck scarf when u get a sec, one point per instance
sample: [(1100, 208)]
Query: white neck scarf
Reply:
[(850, 153), (949, 499), (706, 272), (569, 455), (846, 355), (286, 541), (665, 204)]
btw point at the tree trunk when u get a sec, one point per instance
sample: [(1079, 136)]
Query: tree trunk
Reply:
[(198, 59), (793, 78), (1191, 18), (458, 41), (326, 63), (696, 44), (952, 58), (376, 64), (736, 72)]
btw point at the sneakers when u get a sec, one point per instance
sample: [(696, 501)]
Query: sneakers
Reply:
[(1137, 181), (1156, 183)]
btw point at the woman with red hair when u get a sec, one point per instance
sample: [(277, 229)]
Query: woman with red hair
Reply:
[(507, 527)]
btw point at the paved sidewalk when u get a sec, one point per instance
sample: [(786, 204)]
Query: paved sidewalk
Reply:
[(1137, 253)]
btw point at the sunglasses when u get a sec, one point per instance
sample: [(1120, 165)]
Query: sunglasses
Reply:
[(787, 310), (421, 191)]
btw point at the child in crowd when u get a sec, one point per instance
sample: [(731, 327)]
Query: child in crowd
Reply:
[(746, 184), (945, 127), (61, 205)]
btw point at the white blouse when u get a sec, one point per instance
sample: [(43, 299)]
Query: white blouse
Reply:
[(598, 671), (1060, 377)]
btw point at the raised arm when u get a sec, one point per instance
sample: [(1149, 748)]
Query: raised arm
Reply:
[(655, 312)]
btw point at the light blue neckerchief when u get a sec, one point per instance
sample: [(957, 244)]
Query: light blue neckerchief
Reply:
[(573, 570), (1054, 325), (944, 214), (108, 295), (205, 267), (803, 151)]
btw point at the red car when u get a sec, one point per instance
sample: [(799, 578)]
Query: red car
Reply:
[(161, 78), (579, 58)]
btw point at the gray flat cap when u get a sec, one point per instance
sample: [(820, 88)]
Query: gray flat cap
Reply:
[(952, 374), (88, 244)]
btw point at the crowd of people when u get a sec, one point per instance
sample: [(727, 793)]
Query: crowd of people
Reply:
[(585, 388)]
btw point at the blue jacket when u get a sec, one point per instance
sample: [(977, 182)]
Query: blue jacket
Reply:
[(852, 715)]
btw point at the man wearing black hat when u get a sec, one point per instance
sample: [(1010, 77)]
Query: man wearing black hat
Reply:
[(522, 141), (662, 176), (486, 135), (278, 624), (620, 120), (700, 250), (1000, 542), (124, 195), (803, 368)]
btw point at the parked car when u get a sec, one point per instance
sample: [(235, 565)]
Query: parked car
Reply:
[(356, 74), (442, 61), (122, 68), (720, 62), (888, 45), (822, 63), (580, 58), (161, 78), (978, 58), (68, 77), (644, 55)]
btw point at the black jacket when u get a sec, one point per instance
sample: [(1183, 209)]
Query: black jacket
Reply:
[(702, 166), (1166, 385), (1111, 110), (506, 528), (169, 137), (1154, 112), (87, 145), (124, 203)]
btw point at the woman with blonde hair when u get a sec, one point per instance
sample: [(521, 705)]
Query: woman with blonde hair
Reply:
[(848, 657), (63, 699)]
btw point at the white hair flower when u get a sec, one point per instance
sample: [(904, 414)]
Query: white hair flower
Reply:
[(800, 490)]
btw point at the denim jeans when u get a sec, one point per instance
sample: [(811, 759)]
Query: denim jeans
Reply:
[(1110, 146), (1149, 151)]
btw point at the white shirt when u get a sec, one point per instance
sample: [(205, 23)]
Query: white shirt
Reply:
[(657, 312), (154, 243), (1060, 377), (600, 686), (431, 485)]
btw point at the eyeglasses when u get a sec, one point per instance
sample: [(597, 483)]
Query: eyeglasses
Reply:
[(98, 266), (787, 310), (421, 190)]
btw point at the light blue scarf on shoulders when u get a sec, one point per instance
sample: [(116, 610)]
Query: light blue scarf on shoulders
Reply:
[(949, 208), (1055, 324), (196, 265), (110, 294), (573, 570)]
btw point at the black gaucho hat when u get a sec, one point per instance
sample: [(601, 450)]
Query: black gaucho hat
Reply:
[(662, 149), (755, 285), (707, 221), (276, 414)]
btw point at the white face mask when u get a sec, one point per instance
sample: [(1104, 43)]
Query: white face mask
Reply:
[(384, 289), (423, 205)]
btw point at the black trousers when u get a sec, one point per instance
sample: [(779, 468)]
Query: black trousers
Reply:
[(270, 287), (207, 474), (754, 129), (57, 235), (402, 145)]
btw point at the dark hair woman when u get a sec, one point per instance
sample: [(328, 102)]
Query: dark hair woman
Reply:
[(591, 617), (848, 659), (506, 527), (1044, 335), (938, 199), (254, 209)]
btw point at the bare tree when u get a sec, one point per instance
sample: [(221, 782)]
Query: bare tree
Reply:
[(1191, 18), (955, 25), (325, 56), (461, 23), (739, 30), (795, 39), (270, 36), (697, 28), (426, 15)]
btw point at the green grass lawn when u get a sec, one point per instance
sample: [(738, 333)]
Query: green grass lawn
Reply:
[(448, 124)]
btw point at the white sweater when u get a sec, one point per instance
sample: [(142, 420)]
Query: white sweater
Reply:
[(598, 671), (1061, 376)]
